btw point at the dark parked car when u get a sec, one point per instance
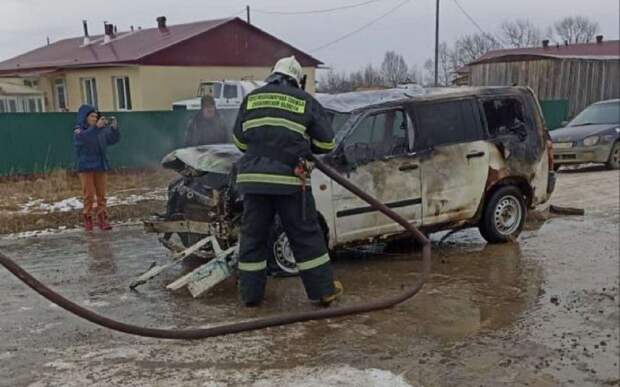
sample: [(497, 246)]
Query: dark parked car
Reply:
[(591, 137)]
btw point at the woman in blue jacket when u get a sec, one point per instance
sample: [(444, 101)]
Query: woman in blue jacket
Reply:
[(91, 136)]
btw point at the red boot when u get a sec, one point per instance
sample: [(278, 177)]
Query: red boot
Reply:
[(88, 223), (102, 219)]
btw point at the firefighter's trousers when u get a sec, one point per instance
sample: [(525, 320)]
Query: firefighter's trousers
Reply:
[(305, 237)]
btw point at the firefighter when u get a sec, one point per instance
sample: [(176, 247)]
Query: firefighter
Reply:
[(278, 126)]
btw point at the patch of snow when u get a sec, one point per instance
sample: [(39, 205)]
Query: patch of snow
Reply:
[(74, 203), (60, 365), (341, 376), (95, 304)]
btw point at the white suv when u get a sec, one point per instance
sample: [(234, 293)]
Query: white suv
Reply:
[(441, 158)]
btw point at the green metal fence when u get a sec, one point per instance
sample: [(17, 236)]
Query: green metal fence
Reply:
[(555, 111), (39, 142)]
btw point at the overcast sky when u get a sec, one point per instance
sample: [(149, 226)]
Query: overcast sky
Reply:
[(409, 30)]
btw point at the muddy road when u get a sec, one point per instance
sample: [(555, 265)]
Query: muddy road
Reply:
[(543, 312)]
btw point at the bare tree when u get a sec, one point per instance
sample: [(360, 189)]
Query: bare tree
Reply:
[(446, 67), (429, 72), (576, 29), (520, 33), (356, 79), (372, 76), (394, 68), (334, 82), (415, 75), (468, 48)]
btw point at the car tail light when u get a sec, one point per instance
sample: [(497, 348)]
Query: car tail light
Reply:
[(550, 154)]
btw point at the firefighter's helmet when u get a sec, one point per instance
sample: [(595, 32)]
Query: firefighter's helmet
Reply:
[(290, 67)]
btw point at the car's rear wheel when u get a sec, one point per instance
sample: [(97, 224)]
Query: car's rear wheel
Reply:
[(614, 157), (504, 215)]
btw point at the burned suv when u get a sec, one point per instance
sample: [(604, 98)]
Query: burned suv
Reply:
[(441, 158)]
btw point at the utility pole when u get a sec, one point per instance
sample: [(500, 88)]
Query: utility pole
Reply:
[(437, 45), (247, 13)]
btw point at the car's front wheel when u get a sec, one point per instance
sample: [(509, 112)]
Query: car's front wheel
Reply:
[(281, 261), (614, 157), (504, 215)]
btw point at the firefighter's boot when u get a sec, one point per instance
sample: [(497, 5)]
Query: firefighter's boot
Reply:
[(338, 290)]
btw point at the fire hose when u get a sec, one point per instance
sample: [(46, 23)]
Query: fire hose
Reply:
[(260, 323)]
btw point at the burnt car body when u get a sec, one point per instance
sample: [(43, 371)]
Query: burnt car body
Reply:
[(593, 136), (441, 158)]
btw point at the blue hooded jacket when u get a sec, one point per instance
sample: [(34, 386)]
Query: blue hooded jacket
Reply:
[(91, 143)]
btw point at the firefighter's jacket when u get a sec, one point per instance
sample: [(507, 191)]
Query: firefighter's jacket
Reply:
[(277, 124)]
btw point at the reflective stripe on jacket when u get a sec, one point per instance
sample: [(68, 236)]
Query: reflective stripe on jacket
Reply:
[(287, 121)]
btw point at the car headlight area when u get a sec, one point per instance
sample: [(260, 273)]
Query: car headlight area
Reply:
[(591, 141)]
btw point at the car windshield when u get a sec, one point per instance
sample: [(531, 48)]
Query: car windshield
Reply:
[(337, 120), (602, 113)]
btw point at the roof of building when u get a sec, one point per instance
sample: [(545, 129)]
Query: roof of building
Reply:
[(603, 50), (142, 46)]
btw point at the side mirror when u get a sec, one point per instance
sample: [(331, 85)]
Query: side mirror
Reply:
[(563, 124)]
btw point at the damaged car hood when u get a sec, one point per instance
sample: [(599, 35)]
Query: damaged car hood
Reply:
[(218, 158)]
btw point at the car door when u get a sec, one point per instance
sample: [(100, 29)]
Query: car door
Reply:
[(454, 159), (380, 161)]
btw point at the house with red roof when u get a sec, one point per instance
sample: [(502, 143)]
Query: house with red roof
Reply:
[(149, 68), (581, 73)]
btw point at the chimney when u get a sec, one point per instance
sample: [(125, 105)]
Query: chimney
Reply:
[(161, 23), (599, 39), (115, 29), (131, 28), (109, 32), (545, 43), (86, 41), (566, 43)]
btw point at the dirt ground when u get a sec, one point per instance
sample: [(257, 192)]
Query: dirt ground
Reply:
[(53, 200), (541, 312)]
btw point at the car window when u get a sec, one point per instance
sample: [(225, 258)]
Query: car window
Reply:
[(337, 119), (230, 91), (446, 122), (384, 132), (600, 113), (504, 116)]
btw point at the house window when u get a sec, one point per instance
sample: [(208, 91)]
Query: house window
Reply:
[(2, 106), (122, 94), (12, 106), (32, 105), (89, 91), (39, 105), (61, 94)]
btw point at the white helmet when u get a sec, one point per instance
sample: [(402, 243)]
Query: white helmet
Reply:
[(288, 66)]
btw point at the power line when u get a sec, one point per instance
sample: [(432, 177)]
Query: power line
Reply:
[(473, 21), (325, 10), (362, 27)]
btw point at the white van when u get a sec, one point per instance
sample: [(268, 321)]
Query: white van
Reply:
[(228, 94)]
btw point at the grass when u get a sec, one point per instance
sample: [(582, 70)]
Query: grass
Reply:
[(62, 184)]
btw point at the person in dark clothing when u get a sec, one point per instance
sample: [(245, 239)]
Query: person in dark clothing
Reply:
[(206, 127), (91, 137), (278, 126)]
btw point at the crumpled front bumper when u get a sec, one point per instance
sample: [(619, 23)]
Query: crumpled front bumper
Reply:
[(580, 154)]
